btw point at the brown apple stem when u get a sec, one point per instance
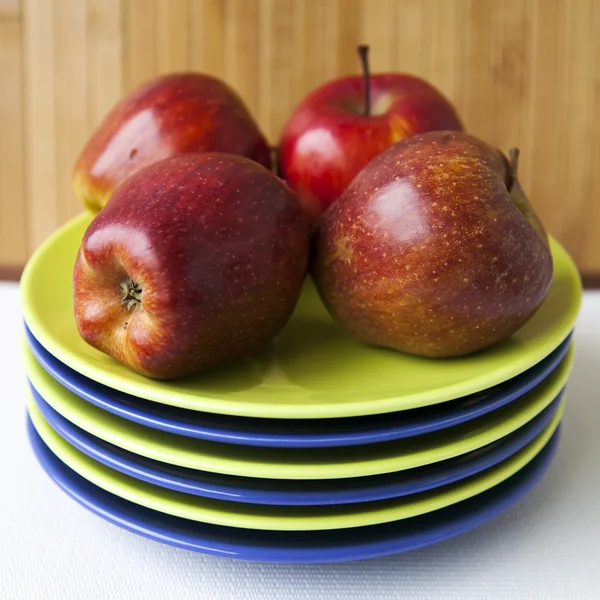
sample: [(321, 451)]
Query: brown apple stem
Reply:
[(363, 52), (513, 167), (513, 155)]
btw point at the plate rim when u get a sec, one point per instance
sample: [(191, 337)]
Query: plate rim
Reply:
[(282, 518), (392, 485), (221, 463), (176, 532), (153, 390), (346, 437)]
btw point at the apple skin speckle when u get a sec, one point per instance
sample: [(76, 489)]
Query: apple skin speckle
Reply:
[(219, 248), (434, 237)]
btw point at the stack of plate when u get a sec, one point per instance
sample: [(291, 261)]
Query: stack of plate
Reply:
[(264, 458)]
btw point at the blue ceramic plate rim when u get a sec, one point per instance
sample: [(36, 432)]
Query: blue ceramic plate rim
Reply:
[(297, 547), (252, 431), (303, 493)]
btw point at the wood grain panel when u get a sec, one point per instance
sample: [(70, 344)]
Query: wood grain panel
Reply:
[(344, 23), (590, 257), (13, 226), (173, 33), (443, 37), (313, 60), (70, 92), (521, 72), (207, 33), (574, 127), (43, 214), (276, 54), (10, 9), (558, 102), (474, 95), (410, 27), (241, 56), (140, 41), (510, 66), (378, 29), (105, 73)]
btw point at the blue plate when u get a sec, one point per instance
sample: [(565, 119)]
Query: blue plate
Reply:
[(295, 433), (293, 546), (298, 493)]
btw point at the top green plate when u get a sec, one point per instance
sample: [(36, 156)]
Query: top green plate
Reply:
[(313, 370)]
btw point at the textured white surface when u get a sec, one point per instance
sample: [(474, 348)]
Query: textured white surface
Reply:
[(547, 546)]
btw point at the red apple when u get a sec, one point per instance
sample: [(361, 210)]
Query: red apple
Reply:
[(433, 249), (193, 261), (342, 125), (182, 113)]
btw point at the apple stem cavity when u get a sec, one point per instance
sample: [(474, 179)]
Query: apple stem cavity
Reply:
[(363, 52), (132, 294)]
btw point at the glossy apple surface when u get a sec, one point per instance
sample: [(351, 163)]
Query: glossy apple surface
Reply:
[(194, 260), (182, 113), (329, 138), (434, 249)]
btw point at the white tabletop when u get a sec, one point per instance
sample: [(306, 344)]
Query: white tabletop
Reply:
[(546, 546)]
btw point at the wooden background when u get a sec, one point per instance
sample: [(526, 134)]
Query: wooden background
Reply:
[(521, 72)]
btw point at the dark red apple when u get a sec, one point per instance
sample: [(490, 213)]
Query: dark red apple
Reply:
[(181, 113), (342, 125), (433, 249), (193, 261)]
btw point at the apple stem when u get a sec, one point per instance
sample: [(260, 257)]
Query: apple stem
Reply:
[(363, 52), (513, 155), (513, 166)]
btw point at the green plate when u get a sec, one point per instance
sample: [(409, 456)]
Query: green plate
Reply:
[(252, 516), (293, 463), (314, 370)]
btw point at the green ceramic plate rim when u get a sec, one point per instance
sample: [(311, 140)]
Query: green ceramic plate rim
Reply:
[(284, 518), (163, 393), (286, 463)]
